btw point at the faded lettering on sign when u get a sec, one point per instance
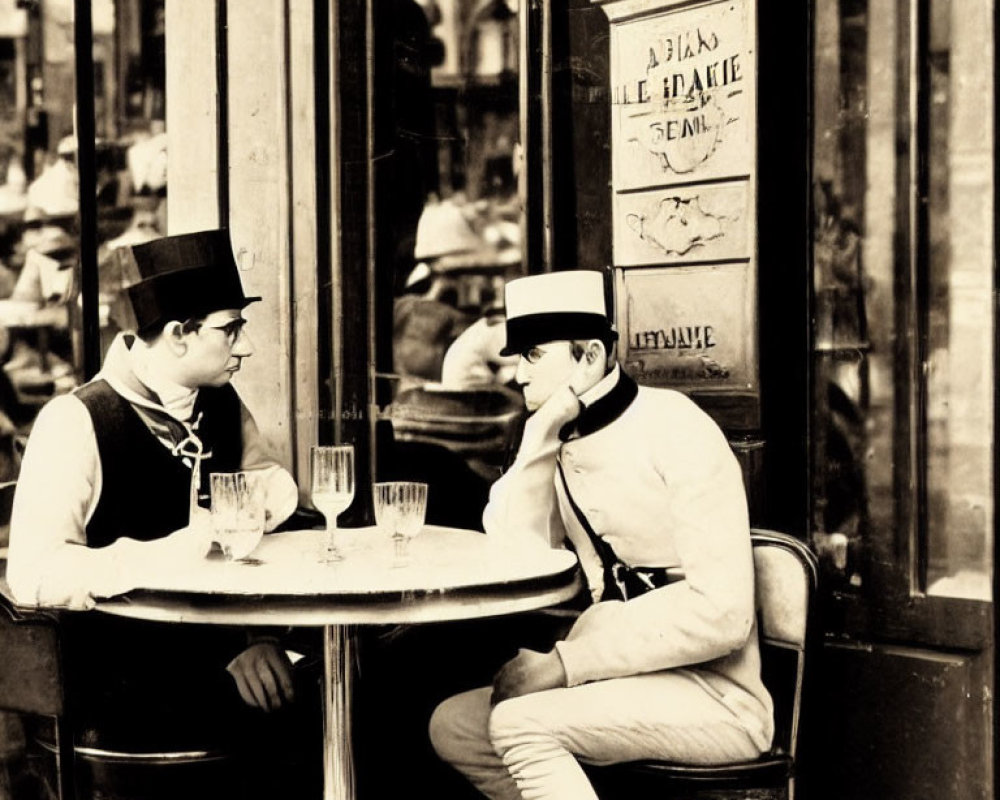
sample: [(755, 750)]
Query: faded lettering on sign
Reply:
[(681, 88), (686, 337)]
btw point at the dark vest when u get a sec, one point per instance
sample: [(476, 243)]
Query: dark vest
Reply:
[(145, 488), (134, 682)]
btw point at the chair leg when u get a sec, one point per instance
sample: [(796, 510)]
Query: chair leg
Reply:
[(66, 758)]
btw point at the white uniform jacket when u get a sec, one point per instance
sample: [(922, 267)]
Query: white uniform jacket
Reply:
[(656, 478)]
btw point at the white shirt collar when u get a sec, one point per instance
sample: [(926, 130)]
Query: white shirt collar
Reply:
[(176, 400), (601, 388)]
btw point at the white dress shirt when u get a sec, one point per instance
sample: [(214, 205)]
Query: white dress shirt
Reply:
[(60, 485)]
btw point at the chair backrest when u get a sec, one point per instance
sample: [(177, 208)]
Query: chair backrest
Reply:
[(7, 489), (786, 576), (31, 678)]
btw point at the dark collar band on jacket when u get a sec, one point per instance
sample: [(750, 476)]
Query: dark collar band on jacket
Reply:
[(603, 411)]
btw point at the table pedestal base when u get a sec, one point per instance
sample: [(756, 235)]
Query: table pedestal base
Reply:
[(338, 751)]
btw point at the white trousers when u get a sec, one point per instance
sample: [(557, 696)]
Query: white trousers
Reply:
[(527, 747)]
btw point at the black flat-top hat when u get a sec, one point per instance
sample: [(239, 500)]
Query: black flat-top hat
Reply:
[(185, 276)]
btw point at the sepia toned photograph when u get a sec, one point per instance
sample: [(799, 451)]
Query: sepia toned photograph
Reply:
[(507, 399)]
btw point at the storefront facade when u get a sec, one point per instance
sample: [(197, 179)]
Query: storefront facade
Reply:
[(795, 211)]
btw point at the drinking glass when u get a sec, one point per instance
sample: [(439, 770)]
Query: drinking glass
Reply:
[(237, 513), (400, 507), (332, 490), (384, 502)]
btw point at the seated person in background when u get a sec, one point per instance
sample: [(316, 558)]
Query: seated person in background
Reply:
[(473, 360), (664, 662), (114, 484), (425, 322), (57, 190), (47, 274)]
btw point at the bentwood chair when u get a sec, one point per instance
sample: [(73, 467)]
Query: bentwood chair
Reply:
[(33, 683), (785, 578)]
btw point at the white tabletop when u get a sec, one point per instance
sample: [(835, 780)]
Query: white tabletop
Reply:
[(453, 574)]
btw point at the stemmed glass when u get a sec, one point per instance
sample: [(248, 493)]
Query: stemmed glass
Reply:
[(400, 507), (384, 502), (332, 490)]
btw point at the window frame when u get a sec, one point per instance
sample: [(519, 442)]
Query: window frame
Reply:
[(891, 603)]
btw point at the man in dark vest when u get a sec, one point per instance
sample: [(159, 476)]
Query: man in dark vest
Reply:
[(114, 484)]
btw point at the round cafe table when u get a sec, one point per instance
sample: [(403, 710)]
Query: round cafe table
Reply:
[(451, 575)]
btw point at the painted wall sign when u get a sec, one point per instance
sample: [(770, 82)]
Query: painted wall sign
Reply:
[(689, 327), (688, 223), (684, 178), (682, 95)]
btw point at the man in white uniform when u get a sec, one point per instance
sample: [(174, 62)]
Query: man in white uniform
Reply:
[(114, 483), (664, 662)]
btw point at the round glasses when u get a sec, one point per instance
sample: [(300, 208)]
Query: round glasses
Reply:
[(231, 330)]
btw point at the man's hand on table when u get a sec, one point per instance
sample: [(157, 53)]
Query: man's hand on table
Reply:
[(187, 544), (76, 598), (529, 671), (77, 574), (263, 676)]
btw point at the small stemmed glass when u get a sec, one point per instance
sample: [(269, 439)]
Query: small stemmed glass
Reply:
[(400, 508), (332, 490)]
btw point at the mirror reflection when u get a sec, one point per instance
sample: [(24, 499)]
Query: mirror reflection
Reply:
[(40, 335), (873, 412), (456, 227)]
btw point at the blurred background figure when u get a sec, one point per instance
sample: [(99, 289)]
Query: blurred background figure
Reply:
[(46, 276), (426, 315), (424, 325), (474, 359), (37, 358), (56, 191), (13, 191), (147, 164)]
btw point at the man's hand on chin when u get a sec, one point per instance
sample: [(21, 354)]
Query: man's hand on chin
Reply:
[(563, 405), (561, 408), (529, 671)]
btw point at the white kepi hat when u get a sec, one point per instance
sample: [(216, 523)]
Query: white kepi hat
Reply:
[(555, 306)]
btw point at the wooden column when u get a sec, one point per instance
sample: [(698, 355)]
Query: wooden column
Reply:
[(192, 121), (270, 183), (304, 243), (259, 204)]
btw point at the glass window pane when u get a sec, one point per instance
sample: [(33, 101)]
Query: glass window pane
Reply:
[(39, 198), (129, 120), (881, 427), (960, 302), (902, 451), (41, 345), (447, 166), (853, 391)]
